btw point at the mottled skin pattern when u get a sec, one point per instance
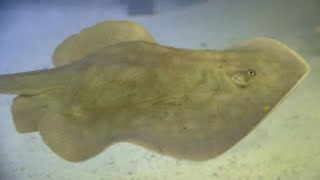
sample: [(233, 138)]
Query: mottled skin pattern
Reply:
[(191, 104)]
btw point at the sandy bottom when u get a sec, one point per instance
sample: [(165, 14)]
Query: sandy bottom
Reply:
[(285, 146)]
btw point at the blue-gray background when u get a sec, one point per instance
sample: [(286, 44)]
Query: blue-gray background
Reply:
[(285, 146)]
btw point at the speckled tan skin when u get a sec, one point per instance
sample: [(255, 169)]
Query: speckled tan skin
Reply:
[(190, 104)]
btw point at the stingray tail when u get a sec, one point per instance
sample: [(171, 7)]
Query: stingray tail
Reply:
[(30, 83)]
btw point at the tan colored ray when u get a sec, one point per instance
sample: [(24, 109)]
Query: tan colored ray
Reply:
[(190, 104), (74, 48)]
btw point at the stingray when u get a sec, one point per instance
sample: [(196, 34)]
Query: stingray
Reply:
[(114, 83)]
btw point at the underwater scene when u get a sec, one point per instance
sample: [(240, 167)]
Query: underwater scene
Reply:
[(160, 89)]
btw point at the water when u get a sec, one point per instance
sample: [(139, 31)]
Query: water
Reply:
[(285, 146)]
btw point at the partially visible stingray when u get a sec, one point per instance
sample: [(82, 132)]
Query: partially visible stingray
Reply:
[(76, 47), (189, 104)]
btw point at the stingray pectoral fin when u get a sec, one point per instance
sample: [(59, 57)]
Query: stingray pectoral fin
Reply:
[(27, 110), (70, 141), (92, 39), (26, 113), (274, 49)]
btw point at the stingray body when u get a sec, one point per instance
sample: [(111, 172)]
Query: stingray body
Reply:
[(190, 104)]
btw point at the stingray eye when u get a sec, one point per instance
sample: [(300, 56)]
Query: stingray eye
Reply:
[(251, 72), (244, 78)]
